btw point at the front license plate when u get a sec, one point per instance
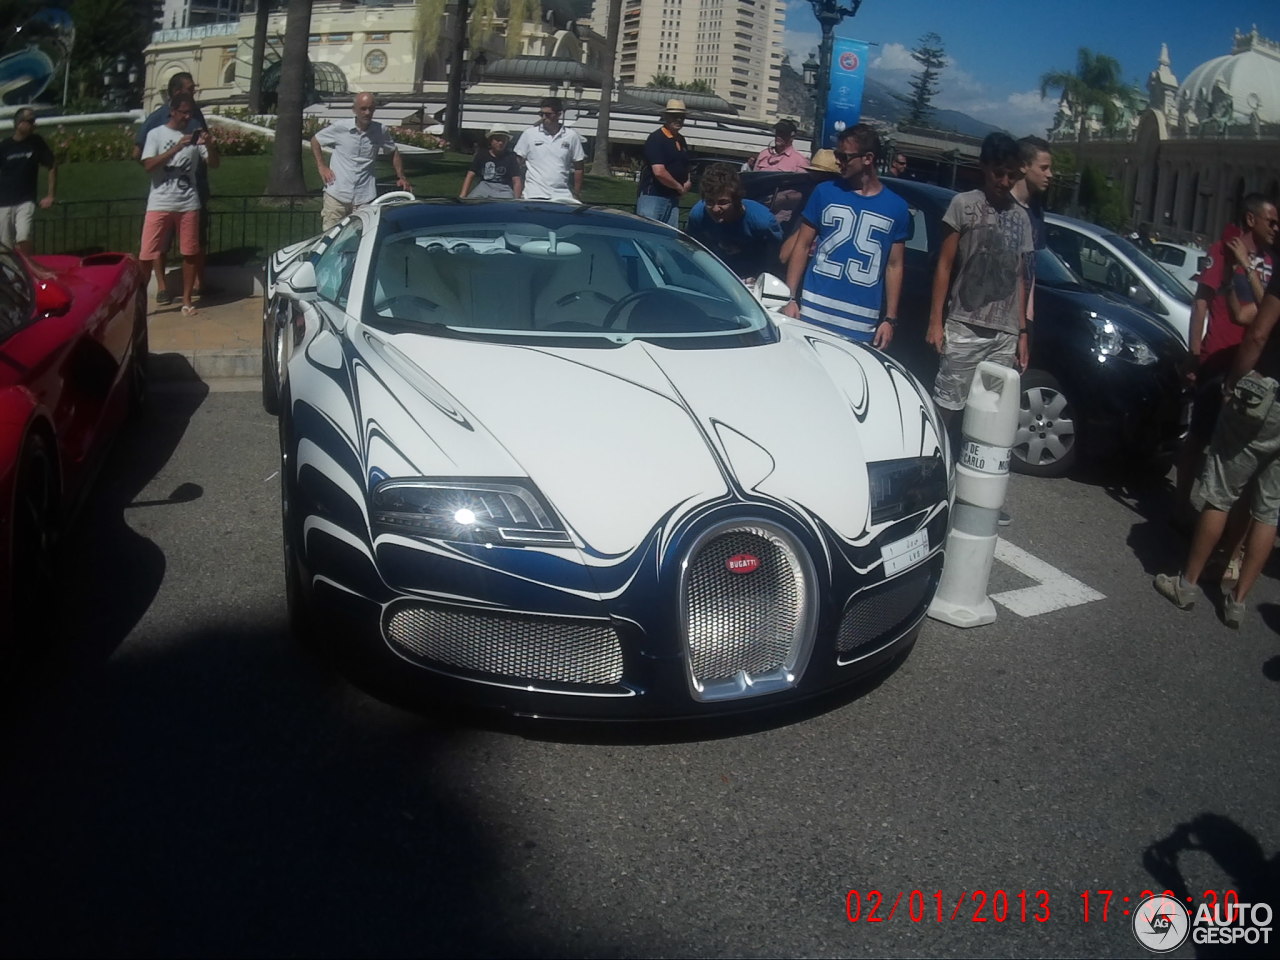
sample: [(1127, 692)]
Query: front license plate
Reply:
[(906, 552)]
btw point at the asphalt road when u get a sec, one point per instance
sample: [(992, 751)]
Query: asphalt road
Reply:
[(177, 777)]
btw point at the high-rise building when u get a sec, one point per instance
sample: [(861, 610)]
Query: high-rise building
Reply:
[(734, 46)]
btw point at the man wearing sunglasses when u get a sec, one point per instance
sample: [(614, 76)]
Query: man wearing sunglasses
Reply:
[(853, 280), (553, 156)]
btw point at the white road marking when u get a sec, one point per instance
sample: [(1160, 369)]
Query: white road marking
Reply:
[(1055, 590)]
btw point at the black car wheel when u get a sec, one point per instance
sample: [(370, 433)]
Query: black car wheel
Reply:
[(302, 625), (138, 372), (271, 355), (1046, 443), (34, 578)]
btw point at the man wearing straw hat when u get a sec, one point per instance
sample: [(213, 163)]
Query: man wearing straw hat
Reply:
[(664, 178)]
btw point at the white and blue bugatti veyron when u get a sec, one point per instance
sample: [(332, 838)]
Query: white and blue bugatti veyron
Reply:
[(559, 461)]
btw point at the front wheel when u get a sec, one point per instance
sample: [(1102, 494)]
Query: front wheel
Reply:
[(1046, 443), (272, 354)]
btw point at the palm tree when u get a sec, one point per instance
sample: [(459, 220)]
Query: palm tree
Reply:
[(1095, 85), (600, 162), (285, 175)]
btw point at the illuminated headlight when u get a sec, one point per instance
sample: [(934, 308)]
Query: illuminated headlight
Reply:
[(1110, 341), (509, 512), (903, 487)]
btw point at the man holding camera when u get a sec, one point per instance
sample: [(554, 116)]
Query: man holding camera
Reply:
[(180, 83), (174, 158)]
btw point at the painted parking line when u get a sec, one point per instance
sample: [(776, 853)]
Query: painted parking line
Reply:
[(1054, 591)]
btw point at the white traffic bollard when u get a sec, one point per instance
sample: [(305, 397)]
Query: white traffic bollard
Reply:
[(982, 477)]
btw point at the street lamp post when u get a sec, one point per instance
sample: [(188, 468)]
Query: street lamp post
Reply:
[(118, 82), (829, 13)]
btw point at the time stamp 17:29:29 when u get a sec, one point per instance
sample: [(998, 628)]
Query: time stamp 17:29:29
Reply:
[(1004, 906)]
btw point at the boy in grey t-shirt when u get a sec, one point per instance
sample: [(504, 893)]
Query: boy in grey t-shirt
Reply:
[(987, 237)]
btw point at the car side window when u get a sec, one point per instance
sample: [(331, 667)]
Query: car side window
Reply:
[(919, 235), (1104, 268), (337, 264), (15, 295)]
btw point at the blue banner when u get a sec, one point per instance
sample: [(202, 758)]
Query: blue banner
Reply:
[(844, 98)]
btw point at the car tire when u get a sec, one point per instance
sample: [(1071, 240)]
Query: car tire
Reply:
[(270, 361), (35, 529), (139, 373), (302, 623), (1046, 443)]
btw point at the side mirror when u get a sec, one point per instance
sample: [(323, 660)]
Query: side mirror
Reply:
[(772, 293), (301, 280), (1141, 295), (51, 299)]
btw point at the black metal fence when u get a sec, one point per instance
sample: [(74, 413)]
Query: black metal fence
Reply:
[(242, 229)]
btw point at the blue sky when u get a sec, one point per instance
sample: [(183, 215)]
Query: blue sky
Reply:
[(999, 49)]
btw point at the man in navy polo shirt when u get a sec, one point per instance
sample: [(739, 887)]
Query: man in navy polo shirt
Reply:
[(861, 227), (665, 176)]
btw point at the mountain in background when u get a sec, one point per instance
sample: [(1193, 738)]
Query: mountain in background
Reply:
[(878, 103)]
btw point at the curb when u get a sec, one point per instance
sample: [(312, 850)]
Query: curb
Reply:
[(226, 364)]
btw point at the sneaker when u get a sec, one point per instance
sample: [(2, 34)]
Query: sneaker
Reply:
[(164, 297), (1171, 588), (1232, 610), (1004, 519)]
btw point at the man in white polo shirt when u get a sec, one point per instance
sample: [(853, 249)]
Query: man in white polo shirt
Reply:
[(348, 177), (552, 155)]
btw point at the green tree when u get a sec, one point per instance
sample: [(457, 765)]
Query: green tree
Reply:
[(663, 81), (1094, 87), (931, 56), (105, 29)]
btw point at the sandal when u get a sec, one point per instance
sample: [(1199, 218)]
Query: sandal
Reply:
[(188, 310)]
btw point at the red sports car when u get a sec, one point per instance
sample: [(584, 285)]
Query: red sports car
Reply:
[(73, 348)]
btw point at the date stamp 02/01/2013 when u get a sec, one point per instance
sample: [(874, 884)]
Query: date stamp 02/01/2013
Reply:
[(1011, 906)]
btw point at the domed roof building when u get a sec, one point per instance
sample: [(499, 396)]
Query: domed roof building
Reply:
[(1200, 146)]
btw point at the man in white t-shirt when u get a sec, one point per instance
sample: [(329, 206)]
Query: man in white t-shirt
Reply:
[(173, 158), (553, 156), (348, 177)]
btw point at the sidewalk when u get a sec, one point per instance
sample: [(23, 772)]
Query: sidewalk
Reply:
[(223, 341)]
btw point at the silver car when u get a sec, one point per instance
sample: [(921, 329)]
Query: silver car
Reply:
[(1113, 263)]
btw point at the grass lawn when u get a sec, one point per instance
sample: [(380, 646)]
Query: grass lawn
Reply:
[(101, 204)]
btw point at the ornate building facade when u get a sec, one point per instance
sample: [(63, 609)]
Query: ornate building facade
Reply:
[(1188, 159)]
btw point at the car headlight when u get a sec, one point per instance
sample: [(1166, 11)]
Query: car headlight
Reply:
[(1111, 341), (902, 487), (507, 512)]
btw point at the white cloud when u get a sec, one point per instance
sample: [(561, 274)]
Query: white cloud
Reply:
[(1019, 112)]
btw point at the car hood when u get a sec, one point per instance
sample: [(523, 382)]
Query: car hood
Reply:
[(620, 438)]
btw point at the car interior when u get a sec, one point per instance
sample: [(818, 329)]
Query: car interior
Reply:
[(536, 281)]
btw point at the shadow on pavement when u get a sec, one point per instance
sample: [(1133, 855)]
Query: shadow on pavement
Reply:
[(213, 793), (1254, 876)]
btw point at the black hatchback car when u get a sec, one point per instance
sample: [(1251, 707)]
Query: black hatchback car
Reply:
[(1104, 374)]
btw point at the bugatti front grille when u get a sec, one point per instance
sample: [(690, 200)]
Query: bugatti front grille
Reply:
[(550, 649), (747, 608), (882, 613)]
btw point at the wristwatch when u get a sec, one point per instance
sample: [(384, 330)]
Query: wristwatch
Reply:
[(891, 321)]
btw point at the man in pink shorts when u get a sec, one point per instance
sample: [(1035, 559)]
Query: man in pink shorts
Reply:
[(172, 158)]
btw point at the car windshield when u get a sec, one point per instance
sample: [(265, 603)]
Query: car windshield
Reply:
[(1154, 272), (469, 270), (1052, 271)]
